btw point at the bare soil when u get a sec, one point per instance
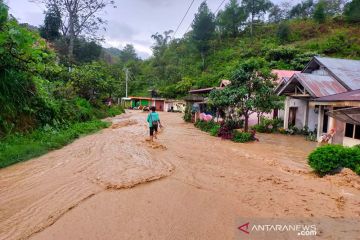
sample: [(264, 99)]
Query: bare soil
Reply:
[(186, 185)]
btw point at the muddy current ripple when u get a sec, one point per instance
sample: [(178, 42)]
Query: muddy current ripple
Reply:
[(34, 194)]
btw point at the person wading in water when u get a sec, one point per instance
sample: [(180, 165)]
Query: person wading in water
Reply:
[(154, 121)]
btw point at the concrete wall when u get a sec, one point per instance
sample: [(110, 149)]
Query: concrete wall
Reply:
[(350, 142), (339, 132), (312, 119), (300, 113)]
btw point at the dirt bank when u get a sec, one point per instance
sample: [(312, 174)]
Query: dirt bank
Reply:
[(206, 187)]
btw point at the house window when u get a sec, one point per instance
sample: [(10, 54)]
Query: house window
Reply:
[(352, 131), (357, 132), (349, 130)]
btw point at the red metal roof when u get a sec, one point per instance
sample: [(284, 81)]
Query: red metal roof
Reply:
[(283, 74), (347, 96), (140, 98)]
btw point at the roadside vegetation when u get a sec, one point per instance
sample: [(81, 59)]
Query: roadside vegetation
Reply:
[(45, 104), (329, 159), (21, 147), (229, 130)]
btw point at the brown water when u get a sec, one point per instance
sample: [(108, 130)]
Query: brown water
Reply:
[(205, 185)]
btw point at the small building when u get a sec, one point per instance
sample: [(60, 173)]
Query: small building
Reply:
[(197, 100), (172, 105), (344, 116), (140, 102), (307, 94), (158, 103), (126, 102)]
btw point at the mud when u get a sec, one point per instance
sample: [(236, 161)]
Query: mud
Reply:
[(204, 187)]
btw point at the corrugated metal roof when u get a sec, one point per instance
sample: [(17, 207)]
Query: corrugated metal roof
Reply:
[(316, 85), (347, 96), (346, 70), (319, 85), (203, 90), (348, 115)]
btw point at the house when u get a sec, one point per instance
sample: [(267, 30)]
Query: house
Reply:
[(309, 95), (197, 100), (282, 76), (141, 102), (172, 105), (344, 112)]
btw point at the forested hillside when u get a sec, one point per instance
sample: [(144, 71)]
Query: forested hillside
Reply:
[(287, 39)]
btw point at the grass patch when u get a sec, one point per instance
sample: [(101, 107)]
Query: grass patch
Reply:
[(21, 147)]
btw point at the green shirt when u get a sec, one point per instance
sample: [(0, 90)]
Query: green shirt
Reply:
[(152, 117)]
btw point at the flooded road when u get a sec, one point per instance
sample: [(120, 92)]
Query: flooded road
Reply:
[(189, 185)]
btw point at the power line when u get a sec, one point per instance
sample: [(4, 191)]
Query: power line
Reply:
[(219, 7), (182, 20)]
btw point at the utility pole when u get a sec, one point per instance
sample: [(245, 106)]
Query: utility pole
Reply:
[(126, 81)]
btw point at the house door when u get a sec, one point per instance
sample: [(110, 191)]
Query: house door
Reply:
[(292, 116), (159, 105), (325, 122)]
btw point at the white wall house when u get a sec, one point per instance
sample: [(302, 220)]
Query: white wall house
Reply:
[(311, 94)]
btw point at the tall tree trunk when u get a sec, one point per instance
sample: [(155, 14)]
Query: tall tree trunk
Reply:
[(252, 19), (246, 124), (203, 59), (71, 38)]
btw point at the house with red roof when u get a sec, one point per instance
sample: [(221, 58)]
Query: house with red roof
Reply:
[(323, 96)]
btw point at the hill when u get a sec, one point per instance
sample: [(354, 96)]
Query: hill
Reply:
[(179, 67)]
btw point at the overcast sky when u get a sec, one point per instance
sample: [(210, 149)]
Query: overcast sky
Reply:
[(133, 21)]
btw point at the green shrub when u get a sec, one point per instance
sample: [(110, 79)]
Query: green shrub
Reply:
[(242, 137), (205, 126), (326, 158), (234, 124), (187, 115), (115, 110), (268, 125), (351, 158), (214, 131), (357, 169)]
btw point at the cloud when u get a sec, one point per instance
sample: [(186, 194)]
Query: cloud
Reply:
[(143, 50), (119, 30)]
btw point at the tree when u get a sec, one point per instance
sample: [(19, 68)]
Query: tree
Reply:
[(128, 54), (275, 14), (352, 11), (250, 91), (302, 10), (283, 32), (78, 17), (52, 24), (203, 29), (231, 18), (255, 9), (161, 42), (94, 81), (334, 7), (319, 12)]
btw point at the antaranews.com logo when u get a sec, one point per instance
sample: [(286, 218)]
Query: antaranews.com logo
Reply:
[(298, 229)]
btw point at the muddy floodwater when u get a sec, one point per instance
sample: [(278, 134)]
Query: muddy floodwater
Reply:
[(188, 185)]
